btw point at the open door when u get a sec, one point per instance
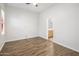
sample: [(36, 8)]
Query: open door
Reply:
[(50, 29)]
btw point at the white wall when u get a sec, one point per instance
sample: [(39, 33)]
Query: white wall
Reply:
[(43, 26), (65, 24), (20, 23)]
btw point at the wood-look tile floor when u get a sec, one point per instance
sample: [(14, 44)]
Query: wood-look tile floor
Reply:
[(35, 47)]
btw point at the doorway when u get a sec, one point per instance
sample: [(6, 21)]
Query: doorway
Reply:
[(50, 29)]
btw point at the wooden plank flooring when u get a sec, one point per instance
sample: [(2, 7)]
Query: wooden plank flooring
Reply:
[(63, 51), (35, 47)]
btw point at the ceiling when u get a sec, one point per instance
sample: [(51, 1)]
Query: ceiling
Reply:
[(41, 6)]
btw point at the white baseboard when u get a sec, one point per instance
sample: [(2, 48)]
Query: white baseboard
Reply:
[(65, 46), (1, 45), (44, 37), (20, 38), (8, 40)]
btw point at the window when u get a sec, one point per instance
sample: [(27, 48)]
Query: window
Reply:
[(2, 22)]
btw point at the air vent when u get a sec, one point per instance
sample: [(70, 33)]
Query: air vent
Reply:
[(27, 3), (36, 5)]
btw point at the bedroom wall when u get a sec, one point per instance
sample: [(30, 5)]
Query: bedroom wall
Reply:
[(20, 23), (43, 32), (65, 19)]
